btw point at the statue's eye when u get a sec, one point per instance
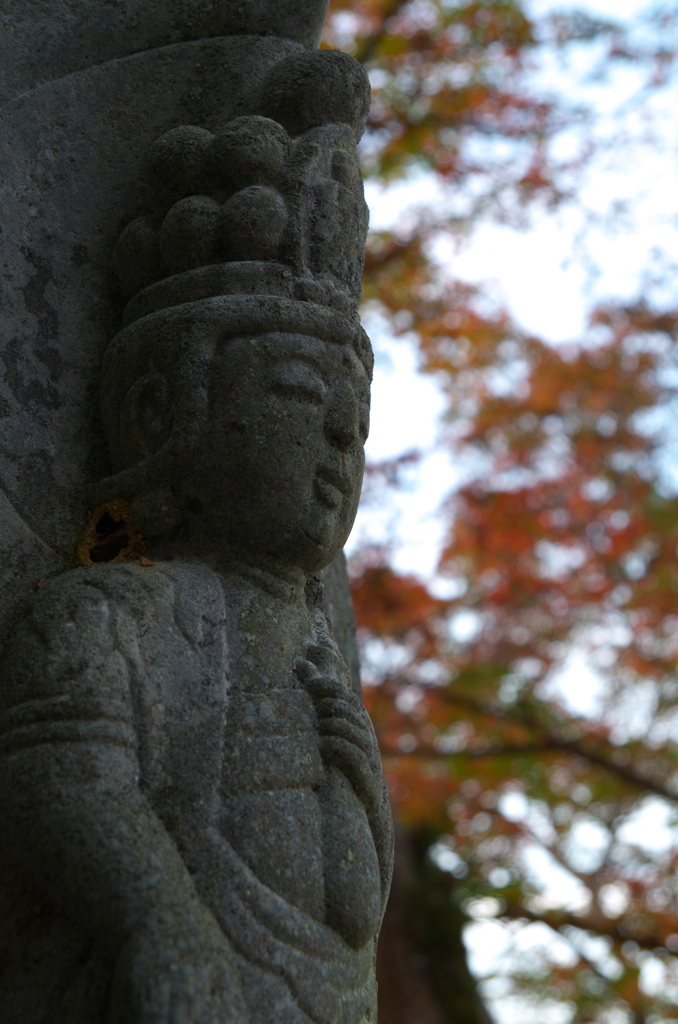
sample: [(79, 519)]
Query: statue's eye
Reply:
[(298, 381)]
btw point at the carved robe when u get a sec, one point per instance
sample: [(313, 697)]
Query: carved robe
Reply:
[(140, 661)]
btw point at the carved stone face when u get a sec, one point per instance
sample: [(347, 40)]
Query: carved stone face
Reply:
[(279, 475)]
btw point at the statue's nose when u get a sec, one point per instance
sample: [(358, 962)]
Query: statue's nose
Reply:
[(341, 420)]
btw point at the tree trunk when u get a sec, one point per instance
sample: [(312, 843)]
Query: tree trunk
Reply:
[(422, 968)]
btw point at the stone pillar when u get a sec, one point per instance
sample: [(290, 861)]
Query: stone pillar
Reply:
[(85, 89), (194, 820)]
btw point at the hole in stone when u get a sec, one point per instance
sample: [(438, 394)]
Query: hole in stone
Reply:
[(109, 548), (107, 525), (110, 535)]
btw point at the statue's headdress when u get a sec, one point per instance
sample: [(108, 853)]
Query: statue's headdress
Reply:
[(270, 206), (256, 228)]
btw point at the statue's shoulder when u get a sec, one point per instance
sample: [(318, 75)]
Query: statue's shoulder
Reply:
[(86, 622), (82, 600), (125, 587), (96, 642)]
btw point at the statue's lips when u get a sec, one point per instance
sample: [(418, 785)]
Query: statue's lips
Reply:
[(330, 487), (327, 494)]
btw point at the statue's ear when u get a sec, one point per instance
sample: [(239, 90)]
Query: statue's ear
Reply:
[(146, 417)]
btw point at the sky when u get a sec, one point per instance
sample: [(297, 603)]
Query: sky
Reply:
[(548, 276)]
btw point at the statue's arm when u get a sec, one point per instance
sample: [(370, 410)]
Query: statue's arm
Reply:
[(74, 817), (349, 744), (381, 825)]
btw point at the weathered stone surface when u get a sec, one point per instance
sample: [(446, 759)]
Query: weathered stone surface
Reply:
[(195, 824)]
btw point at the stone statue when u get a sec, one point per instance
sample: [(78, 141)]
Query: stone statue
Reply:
[(193, 809)]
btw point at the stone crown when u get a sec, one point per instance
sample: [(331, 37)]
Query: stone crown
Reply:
[(270, 204)]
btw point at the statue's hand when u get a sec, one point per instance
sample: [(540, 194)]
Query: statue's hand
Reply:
[(177, 968), (347, 737)]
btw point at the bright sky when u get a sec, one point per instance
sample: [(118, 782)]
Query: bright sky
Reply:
[(539, 276)]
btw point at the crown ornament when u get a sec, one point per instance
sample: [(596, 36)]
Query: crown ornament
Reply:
[(268, 205)]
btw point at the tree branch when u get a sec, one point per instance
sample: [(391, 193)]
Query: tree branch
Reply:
[(550, 744), (550, 741), (562, 919)]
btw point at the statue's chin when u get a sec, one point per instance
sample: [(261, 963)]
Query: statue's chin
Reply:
[(308, 545), (320, 544), (309, 555), (305, 550)]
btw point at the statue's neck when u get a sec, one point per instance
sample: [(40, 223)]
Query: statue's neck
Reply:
[(268, 629), (282, 582), (268, 625)]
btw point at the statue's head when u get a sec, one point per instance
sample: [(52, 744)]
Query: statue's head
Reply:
[(236, 397), (254, 437)]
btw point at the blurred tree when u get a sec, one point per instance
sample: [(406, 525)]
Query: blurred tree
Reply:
[(565, 541), (561, 549)]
